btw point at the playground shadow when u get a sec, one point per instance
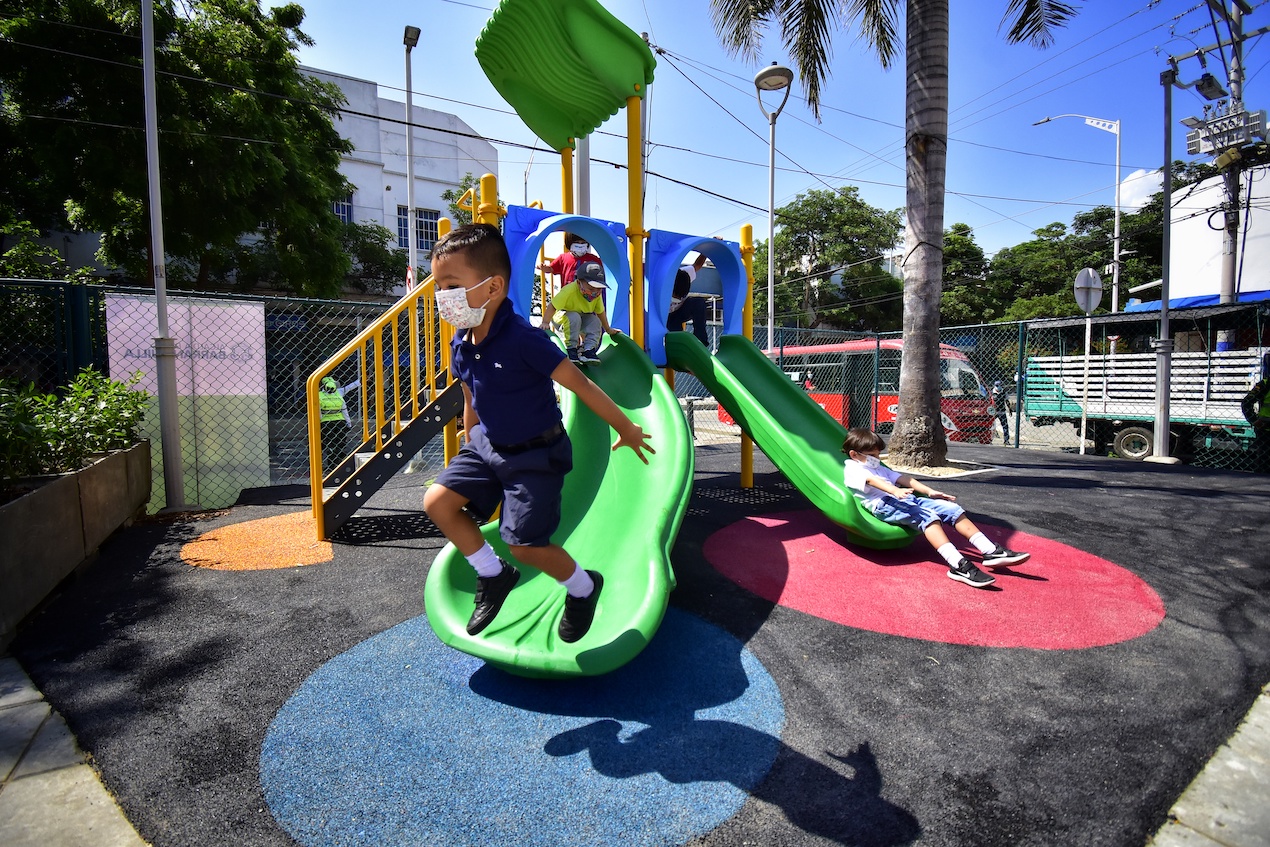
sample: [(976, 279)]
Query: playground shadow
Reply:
[(1075, 483), (368, 530), (647, 721)]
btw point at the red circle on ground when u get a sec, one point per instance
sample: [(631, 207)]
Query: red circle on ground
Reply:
[(1060, 599)]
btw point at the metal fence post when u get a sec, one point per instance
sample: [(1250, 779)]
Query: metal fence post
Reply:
[(1020, 382)]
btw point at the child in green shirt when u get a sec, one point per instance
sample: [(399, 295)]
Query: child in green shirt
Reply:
[(581, 305)]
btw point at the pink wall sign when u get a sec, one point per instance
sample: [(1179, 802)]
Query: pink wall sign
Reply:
[(220, 346)]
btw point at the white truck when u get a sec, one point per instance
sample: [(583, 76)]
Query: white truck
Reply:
[(1205, 396)]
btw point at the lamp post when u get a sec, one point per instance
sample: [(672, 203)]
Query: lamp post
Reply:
[(410, 39), (164, 344), (1114, 128), (772, 78)]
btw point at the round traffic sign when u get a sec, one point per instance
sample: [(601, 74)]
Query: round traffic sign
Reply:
[(1088, 289)]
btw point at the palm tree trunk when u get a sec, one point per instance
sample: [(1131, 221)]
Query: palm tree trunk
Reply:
[(919, 432)]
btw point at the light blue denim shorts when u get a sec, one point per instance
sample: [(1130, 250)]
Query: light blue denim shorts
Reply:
[(917, 512)]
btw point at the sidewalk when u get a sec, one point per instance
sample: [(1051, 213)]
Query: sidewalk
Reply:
[(1228, 804), (50, 796)]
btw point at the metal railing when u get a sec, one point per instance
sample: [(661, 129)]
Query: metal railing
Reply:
[(399, 355)]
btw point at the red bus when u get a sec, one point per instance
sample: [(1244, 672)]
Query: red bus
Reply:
[(842, 377)]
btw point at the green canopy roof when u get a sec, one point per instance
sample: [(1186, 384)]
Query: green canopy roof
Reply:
[(565, 66)]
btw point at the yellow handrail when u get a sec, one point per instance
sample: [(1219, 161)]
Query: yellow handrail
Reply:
[(427, 346)]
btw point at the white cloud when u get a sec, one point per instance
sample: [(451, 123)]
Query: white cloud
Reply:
[(1137, 188)]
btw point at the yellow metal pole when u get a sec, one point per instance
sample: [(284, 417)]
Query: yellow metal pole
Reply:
[(362, 356), (380, 417), (487, 211), (747, 325), (315, 454), (635, 217), (566, 181)]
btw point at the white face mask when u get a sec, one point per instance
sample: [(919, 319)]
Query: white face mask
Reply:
[(579, 249), (453, 307), (872, 462)]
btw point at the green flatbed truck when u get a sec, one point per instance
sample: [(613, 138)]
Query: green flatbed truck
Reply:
[(1206, 390)]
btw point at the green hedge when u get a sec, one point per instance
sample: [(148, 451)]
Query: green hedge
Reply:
[(48, 434)]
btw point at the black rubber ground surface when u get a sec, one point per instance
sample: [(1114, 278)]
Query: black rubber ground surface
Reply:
[(170, 675)]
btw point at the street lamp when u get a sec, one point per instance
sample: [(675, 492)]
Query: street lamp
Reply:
[(772, 78), (1114, 128), (410, 39)]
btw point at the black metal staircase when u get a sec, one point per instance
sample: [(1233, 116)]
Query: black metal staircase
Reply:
[(365, 471)]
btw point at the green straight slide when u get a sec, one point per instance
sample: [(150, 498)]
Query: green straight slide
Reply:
[(801, 438), (619, 517)]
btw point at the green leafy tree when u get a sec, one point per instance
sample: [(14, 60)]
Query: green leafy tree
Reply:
[(245, 137), (23, 257), (806, 29), (378, 264), (965, 299), (830, 252)]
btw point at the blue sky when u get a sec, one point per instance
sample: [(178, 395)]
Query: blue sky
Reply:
[(1006, 177)]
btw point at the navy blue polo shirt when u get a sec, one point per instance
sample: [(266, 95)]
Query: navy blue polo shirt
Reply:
[(509, 375)]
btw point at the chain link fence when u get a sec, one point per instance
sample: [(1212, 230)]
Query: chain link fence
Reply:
[(1022, 384), (242, 364)]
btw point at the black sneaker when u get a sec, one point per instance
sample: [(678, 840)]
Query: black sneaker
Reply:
[(589, 357), (579, 612), (490, 594), (573, 355), (970, 575), (1001, 557)]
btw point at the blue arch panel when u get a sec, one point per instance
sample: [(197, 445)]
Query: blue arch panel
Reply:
[(525, 229), (666, 252)]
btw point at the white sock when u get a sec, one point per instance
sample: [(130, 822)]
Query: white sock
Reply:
[(485, 562), (950, 553), (981, 542), (579, 584)]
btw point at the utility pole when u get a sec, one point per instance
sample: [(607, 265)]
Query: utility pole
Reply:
[(1231, 174), (1224, 130)]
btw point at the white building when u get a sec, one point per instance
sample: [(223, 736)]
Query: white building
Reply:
[(1195, 254), (445, 150)]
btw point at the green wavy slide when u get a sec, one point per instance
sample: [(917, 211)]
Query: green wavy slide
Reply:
[(619, 517), (801, 438)]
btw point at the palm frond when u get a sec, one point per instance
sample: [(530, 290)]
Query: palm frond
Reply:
[(878, 26), (741, 24), (806, 27), (1035, 20)]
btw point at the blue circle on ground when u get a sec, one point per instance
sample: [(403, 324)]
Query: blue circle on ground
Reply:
[(402, 740)]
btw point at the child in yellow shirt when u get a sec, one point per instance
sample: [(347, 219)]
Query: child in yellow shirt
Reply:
[(581, 305)]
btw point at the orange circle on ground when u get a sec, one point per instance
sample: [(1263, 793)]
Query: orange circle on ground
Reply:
[(1060, 599), (284, 541)]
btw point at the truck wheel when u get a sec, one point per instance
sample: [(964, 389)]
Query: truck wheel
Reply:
[(1133, 442)]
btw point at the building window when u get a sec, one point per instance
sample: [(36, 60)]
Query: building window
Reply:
[(403, 228), (426, 228), (344, 208)]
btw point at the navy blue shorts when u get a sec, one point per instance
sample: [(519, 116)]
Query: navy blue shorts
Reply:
[(528, 485)]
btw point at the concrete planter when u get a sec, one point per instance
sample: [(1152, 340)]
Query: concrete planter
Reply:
[(51, 531)]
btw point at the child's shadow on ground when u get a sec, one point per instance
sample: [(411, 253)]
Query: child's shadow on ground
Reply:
[(691, 666)]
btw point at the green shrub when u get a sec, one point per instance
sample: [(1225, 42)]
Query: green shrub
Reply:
[(47, 434)]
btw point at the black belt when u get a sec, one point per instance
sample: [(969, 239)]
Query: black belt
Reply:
[(546, 439)]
